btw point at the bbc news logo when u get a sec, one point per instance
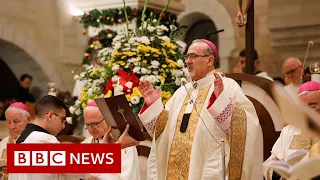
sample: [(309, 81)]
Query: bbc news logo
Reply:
[(64, 158)]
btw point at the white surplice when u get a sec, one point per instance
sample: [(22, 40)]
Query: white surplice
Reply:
[(205, 157), (41, 137), (264, 75), (281, 148), (3, 145), (129, 165)]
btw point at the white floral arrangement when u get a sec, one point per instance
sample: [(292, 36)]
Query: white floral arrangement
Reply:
[(151, 52)]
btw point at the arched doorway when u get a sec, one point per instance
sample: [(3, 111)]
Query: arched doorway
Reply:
[(216, 12), (20, 62), (203, 29)]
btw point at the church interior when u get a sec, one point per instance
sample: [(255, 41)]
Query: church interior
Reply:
[(49, 46)]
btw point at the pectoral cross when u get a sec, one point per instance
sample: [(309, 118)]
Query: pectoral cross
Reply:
[(120, 110)]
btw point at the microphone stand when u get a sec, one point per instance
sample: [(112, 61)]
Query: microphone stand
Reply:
[(223, 159)]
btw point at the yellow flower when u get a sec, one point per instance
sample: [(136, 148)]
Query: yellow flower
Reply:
[(154, 50), (144, 61), (169, 45), (84, 105), (128, 96), (164, 102), (122, 63), (155, 55), (129, 53), (123, 57), (161, 78), (164, 65), (147, 54), (109, 94), (136, 92), (164, 52), (139, 58), (140, 47), (172, 63), (168, 95), (94, 72), (172, 52)]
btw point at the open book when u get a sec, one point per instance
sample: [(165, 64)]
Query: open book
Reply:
[(303, 170), (117, 113), (3, 163), (294, 157)]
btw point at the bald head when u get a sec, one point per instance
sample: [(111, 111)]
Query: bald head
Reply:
[(292, 69), (92, 112), (290, 63)]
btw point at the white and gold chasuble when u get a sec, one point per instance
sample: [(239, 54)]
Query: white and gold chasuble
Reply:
[(3, 153), (196, 153), (290, 140)]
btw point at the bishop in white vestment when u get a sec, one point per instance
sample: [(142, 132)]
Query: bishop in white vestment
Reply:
[(291, 138), (17, 117), (187, 132), (97, 127)]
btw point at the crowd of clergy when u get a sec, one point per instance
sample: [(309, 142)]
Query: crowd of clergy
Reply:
[(186, 132)]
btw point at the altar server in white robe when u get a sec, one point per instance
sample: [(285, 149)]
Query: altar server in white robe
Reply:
[(186, 146), (50, 116), (291, 138), (17, 117), (98, 127)]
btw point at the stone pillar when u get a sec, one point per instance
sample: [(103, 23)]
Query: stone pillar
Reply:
[(293, 24)]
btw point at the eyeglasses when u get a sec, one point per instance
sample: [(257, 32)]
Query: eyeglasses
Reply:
[(193, 56), (314, 106), (93, 125), (63, 119)]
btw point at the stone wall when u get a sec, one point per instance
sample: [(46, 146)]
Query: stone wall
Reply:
[(232, 40), (47, 32), (293, 23)]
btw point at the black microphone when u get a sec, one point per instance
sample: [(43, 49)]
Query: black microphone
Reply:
[(186, 116)]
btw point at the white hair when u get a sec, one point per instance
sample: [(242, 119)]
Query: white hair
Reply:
[(306, 92), (25, 114)]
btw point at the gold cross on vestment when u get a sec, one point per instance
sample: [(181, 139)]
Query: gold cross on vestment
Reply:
[(120, 110)]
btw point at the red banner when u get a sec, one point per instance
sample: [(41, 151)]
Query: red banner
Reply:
[(63, 158)]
